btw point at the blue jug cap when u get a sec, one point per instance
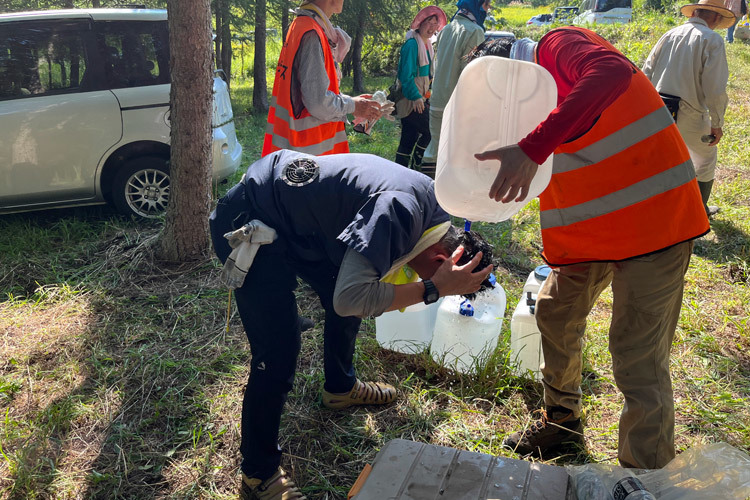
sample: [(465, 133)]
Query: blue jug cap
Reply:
[(492, 279), (541, 272), (466, 309)]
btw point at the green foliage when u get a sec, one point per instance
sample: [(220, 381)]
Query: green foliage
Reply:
[(381, 58)]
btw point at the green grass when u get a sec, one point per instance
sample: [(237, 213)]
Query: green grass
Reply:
[(119, 378)]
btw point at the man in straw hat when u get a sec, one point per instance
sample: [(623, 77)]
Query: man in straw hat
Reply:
[(689, 63)]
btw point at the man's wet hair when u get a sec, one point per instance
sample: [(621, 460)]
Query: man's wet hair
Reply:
[(498, 47), (473, 243), (450, 240)]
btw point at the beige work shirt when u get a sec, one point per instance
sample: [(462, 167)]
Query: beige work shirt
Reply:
[(689, 61)]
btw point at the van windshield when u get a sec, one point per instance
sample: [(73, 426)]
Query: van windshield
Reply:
[(605, 5)]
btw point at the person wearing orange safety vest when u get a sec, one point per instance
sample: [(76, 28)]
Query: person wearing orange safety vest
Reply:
[(307, 111), (622, 208)]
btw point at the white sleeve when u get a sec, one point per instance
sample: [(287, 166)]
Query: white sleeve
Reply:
[(714, 81)]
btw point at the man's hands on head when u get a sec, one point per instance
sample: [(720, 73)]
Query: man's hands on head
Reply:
[(514, 177), (451, 279)]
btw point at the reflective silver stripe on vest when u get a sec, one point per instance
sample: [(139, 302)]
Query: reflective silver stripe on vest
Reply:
[(640, 191), (296, 124), (313, 149), (628, 136)]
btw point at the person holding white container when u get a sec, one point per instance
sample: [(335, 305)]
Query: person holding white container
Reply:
[(622, 208)]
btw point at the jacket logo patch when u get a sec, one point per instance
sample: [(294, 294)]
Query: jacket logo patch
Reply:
[(300, 172)]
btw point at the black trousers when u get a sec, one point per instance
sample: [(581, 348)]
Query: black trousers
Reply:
[(268, 310), (415, 136)]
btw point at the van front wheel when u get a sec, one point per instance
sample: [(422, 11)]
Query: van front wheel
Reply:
[(141, 187)]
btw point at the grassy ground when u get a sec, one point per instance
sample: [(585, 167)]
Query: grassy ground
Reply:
[(120, 379)]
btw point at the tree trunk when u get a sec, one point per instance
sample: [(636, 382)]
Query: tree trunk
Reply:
[(185, 234), (218, 11), (226, 41), (260, 92), (284, 19), (359, 37), (95, 4)]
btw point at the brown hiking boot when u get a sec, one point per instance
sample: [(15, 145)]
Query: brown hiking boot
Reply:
[(363, 393), (556, 429), (276, 487)]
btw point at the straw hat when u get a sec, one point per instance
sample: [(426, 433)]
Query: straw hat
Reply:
[(727, 16), (430, 10)]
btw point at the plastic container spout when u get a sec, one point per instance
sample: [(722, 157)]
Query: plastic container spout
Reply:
[(466, 309)]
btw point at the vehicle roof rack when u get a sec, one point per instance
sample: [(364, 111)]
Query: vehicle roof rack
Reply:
[(131, 6)]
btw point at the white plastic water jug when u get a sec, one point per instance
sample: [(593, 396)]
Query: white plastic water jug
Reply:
[(464, 342), (410, 331), (525, 338), (496, 102)]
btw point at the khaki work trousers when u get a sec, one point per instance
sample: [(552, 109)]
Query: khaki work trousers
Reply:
[(647, 295)]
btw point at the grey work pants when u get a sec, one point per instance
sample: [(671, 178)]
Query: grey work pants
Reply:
[(647, 295)]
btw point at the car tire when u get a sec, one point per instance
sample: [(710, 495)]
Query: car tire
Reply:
[(141, 187)]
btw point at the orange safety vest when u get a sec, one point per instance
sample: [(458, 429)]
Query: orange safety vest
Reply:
[(303, 133), (626, 187)]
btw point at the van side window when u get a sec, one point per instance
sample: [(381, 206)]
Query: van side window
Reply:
[(606, 5), (134, 54), (37, 60)]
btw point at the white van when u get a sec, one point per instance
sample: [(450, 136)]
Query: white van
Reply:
[(604, 12), (84, 111)]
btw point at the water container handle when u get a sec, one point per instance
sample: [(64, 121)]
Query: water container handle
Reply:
[(531, 302)]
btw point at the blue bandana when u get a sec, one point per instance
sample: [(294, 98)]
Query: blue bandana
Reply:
[(475, 7)]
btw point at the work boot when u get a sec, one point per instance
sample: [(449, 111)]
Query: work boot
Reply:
[(403, 158), (428, 169), (705, 188), (305, 323), (557, 428), (363, 393), (276, 487), (416, 157)]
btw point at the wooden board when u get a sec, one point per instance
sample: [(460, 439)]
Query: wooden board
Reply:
[(407, 470)]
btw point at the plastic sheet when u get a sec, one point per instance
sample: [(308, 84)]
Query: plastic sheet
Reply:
[(710, 472)]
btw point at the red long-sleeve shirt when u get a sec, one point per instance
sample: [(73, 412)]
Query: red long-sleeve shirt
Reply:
[(589, 78)]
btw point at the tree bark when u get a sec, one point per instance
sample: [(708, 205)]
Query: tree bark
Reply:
[(284, 19), (226, 41), (260, 91), (218, 11), (185, 234), (358, 83)]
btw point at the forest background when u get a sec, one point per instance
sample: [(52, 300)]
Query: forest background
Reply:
[(120, 379)]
